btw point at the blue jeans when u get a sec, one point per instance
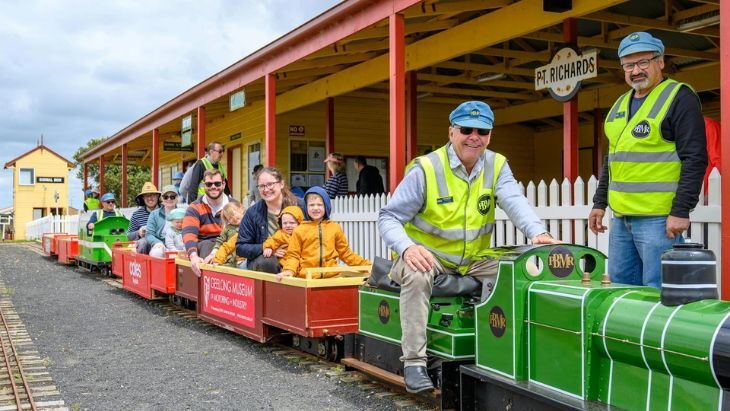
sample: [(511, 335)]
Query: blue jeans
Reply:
[(635, 247)]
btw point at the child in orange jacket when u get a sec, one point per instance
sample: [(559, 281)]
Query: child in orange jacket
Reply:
[(317, 242), (289, 219)]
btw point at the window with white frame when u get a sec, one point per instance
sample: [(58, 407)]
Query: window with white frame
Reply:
[(26, 176)]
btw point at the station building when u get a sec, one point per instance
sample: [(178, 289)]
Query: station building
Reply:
[(379, 78), (40, 186)]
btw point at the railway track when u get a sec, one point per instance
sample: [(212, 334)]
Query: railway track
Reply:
[(25, 383)]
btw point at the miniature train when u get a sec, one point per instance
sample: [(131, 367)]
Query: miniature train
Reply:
[(553, 334)]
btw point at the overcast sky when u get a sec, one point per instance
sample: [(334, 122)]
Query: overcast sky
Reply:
[(76, 70)]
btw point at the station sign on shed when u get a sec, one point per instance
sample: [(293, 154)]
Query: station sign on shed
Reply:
[(563, 75)]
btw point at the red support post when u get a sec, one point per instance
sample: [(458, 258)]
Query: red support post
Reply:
[(570, 114), (411, 115), (86, 178), (125, 153), (397, 100), (200, 146), (725, 144), (329, 127), (155, 170), (597, 138), (270, 92), (101, 175)]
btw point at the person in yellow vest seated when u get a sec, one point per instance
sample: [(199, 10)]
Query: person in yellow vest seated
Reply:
[(194, 186), (440, 221), (92, 200), (656, 161), (108, 209)]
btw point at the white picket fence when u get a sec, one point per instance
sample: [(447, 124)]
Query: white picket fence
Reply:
[(563, 208)]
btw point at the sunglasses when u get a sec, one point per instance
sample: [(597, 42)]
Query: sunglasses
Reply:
[(267, 186), (169, 197), (110, 201), (468, 130), (210, 184)]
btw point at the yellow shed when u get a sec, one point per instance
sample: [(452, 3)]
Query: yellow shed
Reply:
[(40, 186)]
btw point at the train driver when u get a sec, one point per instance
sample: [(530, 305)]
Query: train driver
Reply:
[(447, 197)]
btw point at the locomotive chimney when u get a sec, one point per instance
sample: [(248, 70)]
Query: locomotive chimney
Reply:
[(688, 274)]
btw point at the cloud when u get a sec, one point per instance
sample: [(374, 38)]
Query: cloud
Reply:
[(77, 70)]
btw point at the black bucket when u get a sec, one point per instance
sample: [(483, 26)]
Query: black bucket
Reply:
[(688, 274)]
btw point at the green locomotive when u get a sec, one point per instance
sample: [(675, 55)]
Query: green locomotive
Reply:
[(95, 246), (556, 334)]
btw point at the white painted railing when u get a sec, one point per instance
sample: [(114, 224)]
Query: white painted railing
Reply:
[(69, 224), (564, 215)]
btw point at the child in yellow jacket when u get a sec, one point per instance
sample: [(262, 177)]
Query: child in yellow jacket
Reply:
[(289, 219), (317, 242)]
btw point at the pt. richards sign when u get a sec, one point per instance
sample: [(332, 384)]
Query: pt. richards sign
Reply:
[(565, 72)]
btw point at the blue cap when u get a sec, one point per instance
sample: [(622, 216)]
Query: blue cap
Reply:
[(639, 42), (473, 114), (107, 197), (178, 176), (88, 192), (176, 214)]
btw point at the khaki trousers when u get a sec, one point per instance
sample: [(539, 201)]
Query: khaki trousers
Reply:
[(416, 288)]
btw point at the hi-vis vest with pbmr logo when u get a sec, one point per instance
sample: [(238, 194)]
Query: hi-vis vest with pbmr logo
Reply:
[(208, 165), (457, 220), (643, 167)]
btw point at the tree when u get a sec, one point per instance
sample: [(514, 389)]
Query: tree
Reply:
[(136, 175)]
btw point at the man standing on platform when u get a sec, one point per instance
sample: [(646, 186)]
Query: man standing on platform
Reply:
[(440, 222), (369, 180), (656, 160), (210, 161)]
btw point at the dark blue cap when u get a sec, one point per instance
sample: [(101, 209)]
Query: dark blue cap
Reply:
[(472, 114), (639, 42)]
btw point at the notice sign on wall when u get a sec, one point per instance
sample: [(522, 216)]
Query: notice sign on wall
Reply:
[(565, 72), (229, 297), (296, 130), (57, 180)]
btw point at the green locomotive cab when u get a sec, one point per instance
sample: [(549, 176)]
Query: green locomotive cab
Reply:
[(556, 334), (95, 246)]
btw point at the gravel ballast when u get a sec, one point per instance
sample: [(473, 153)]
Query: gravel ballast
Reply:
[(109, 349)]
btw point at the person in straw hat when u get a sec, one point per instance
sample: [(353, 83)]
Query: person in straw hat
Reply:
[(148, 200)]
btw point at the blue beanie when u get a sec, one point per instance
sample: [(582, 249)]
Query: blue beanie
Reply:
[(176, 214)]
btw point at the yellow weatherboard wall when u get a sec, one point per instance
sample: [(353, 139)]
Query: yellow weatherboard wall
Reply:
[(361, 128), (39, 194)]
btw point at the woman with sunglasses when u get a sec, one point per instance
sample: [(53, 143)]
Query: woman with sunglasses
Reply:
[(148, 200), (261, 221), (157, 219)]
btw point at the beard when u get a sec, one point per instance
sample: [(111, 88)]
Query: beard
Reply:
[(640, 83), (220, 193)]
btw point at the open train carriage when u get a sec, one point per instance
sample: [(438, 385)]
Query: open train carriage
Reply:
[(317, 312), (95, 246)]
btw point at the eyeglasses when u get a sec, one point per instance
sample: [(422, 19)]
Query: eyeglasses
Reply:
[(210, 184), (218, 151), (169, 197), (267, 186), (110, 201), (468, 130), (643, 64)]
